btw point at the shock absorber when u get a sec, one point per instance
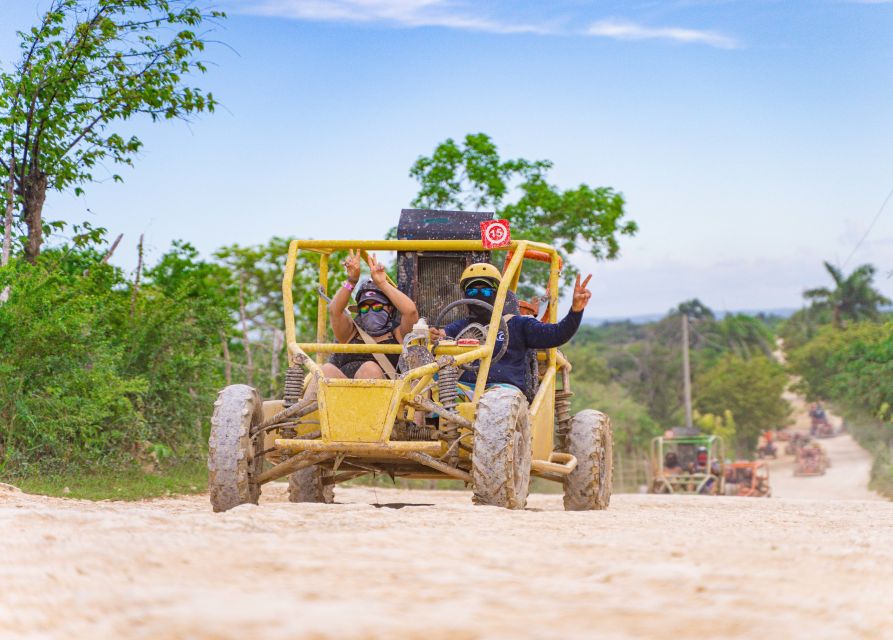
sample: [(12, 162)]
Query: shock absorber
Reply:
[(563, 412), (294, 385), (448, 394), (294, 390)]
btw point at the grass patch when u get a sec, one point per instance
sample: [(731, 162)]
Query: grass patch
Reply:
[(132, 484)]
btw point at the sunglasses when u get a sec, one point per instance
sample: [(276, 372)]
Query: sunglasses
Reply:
[(473, 292), (375, 306)]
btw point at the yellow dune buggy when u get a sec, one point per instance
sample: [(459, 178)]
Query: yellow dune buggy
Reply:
[(416, 424)]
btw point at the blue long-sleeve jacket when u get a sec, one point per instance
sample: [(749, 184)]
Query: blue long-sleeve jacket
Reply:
[(525, 332)]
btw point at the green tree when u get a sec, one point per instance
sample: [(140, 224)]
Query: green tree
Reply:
[(256, 338), (750, 389), (853, 297), (852, 367), (738, 333), (718, 425), (471, 174), (90, 380), (85, 69)]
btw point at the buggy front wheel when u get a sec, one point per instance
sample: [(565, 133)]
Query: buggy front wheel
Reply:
[(591, 441), (235, 459), (502, 452)]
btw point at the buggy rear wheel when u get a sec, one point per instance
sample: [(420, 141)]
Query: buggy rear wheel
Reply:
[(591, 441), (502, 449), (234, 460), (309, 485)]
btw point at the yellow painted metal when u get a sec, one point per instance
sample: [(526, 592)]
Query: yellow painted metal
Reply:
[(498, 305), (558, 463), (296, 354), (367, 449), (353, 410), (414, 245), (423, 382), (272, 407), (542, 417), (328, 347), (466, 410), (322, 307), (356, 416), (563, 362), (288, 304)]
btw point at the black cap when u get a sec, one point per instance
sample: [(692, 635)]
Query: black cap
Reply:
[(368, 292)]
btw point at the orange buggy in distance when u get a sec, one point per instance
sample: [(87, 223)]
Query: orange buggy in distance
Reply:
[(748, 479), (811, 460)]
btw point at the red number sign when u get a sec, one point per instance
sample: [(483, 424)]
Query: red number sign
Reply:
[(495, 233)]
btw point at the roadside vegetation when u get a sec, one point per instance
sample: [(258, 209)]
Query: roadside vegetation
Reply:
[(841, 346), (108, 376)]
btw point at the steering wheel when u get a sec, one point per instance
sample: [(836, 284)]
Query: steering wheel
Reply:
[(473, 302)]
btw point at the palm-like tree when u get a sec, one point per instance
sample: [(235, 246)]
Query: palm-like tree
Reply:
[(853, 296), (743, 335)]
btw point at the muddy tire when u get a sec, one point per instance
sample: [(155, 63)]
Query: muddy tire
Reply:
[(307, 485), (591, 441), (233, 460), (502, 450)]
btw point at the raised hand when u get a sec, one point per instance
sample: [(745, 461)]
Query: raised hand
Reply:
[(379, 275), (352, 265), (581, 294)]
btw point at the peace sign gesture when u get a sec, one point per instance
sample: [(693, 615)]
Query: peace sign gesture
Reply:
[(581, 294), (379, 274), (352, 265)]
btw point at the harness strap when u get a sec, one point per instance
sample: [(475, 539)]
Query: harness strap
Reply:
[(380, 358)]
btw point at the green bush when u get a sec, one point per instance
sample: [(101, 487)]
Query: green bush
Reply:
[(87, 384)]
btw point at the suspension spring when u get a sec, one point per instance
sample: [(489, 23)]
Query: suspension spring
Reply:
[(412, 431), (294, 385), (562, 418), (294, 390), (448, 394)]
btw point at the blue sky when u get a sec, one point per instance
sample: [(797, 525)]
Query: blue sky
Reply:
[(752, 140)]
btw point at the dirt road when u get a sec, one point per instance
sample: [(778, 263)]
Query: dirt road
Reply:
[(848, 477), (387, 563), (814, 562)]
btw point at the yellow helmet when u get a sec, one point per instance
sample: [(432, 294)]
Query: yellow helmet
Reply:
[(480, 270)]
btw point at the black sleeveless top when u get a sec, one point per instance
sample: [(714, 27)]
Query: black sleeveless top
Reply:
[(340, 360)]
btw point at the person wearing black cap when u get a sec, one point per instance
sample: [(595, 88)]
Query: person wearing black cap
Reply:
[(377, 305)]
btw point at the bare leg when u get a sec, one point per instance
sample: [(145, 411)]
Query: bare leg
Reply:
[(328, 371), (369, 371)]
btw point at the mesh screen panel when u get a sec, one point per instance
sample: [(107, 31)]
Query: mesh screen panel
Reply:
[(438, 285)]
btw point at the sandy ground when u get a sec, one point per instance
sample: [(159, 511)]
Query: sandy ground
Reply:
[(815, 563), (387, 563)]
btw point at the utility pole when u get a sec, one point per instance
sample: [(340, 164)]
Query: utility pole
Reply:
[(686, 371)]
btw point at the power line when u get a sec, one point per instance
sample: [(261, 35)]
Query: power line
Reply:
[(870, 227)]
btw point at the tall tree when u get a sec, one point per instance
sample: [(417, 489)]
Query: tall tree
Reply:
[(852, 298), (749, 389), (86, 68), (471, 174)]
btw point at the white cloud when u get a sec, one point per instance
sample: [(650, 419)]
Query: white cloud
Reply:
[(626, 30), (457, 14), (403, 13)]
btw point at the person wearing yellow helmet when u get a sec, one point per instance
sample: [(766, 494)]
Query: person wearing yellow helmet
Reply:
[(481, 281)]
